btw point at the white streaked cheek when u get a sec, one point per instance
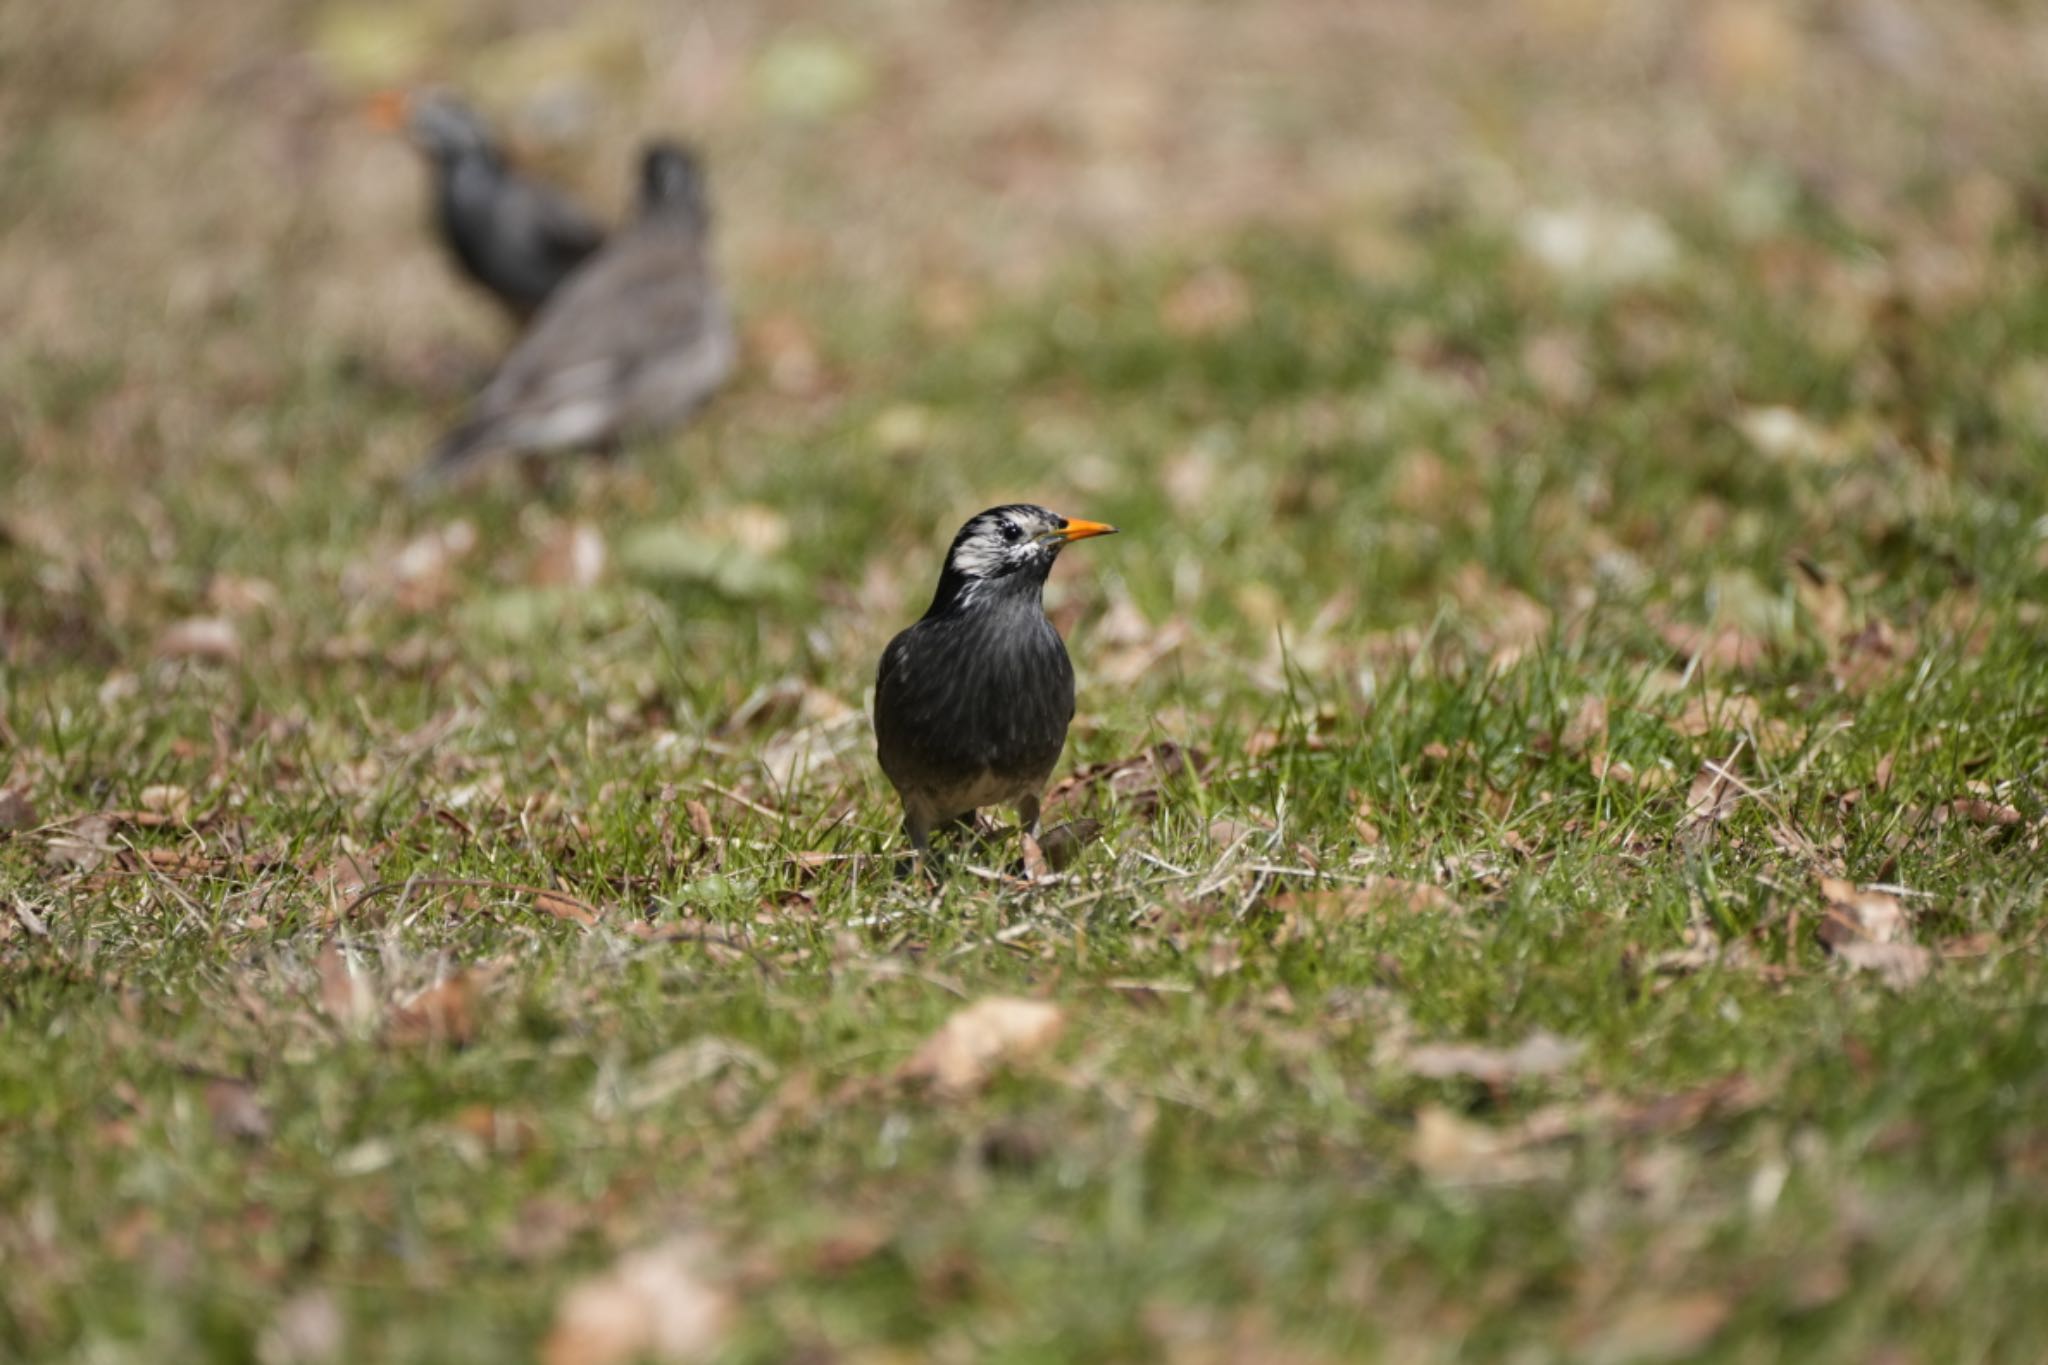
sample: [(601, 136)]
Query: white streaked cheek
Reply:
[(978, 559)]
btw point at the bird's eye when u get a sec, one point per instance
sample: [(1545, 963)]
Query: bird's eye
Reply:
[(1012, 533)]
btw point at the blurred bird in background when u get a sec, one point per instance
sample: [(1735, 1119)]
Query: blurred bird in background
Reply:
[(972, 703), (512, 235), (637, 339)]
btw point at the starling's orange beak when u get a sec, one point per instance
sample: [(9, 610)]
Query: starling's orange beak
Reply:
[(1076, 529), (386, 110)]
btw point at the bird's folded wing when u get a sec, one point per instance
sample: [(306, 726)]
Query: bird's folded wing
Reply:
[(645, 297)]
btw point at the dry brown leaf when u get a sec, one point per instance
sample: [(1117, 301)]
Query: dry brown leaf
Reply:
[(499, 1130), (1712, 798), (982, 1038), (234, 595), (1587, 729), (141, 819), (1859, 914), (1686, 1109), (348, 1000), (1726, 647), (573, 556), (1788, 435), (419, 575), (1313, 737), (442, 1013), (1540, 1054), (1226, 830), (1512, 622), (81, 845), (1136, 780), (237, 1114), (1701, 951), (544, 1228), (656, 1304), (1375, 894), (1263, 741), (854, 1244), (1648, 1329), (1654, 778), (348, 876), (212, 639), (1824, 600), (1555, 362), (1898, 965), (789, 354), (1437, 754), (27, 918), (753, 526), (1871, 656), (1422, 484), (564, 907), (1713, 713), (1976, 810), (172, 802), (1595, 247), (1980, 944), (1866, 929), (307, 1329), (1215, 300), (1036, 868), (17, 812), (175, 862), (1449, 1148), (1062, 844), (949, 306)]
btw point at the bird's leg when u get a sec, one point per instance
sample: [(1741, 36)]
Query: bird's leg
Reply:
[(917, 823), (1035, 866)]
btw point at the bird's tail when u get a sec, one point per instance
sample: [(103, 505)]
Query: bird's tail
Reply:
[(456, 454)]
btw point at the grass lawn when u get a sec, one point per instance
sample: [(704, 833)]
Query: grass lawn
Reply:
[(1561, 740)]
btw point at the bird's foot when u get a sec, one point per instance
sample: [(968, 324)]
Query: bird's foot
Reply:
[(920, 867)]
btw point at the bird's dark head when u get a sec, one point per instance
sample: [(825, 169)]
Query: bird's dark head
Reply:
[(672, 182), (440, 125), (1008, 548)]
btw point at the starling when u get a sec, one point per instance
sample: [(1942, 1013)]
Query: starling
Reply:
[(638, 338), (972, 703), (514, 236)]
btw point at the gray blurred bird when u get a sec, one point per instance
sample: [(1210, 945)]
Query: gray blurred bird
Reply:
[(636, 340), (516, 237), (972, 703)]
